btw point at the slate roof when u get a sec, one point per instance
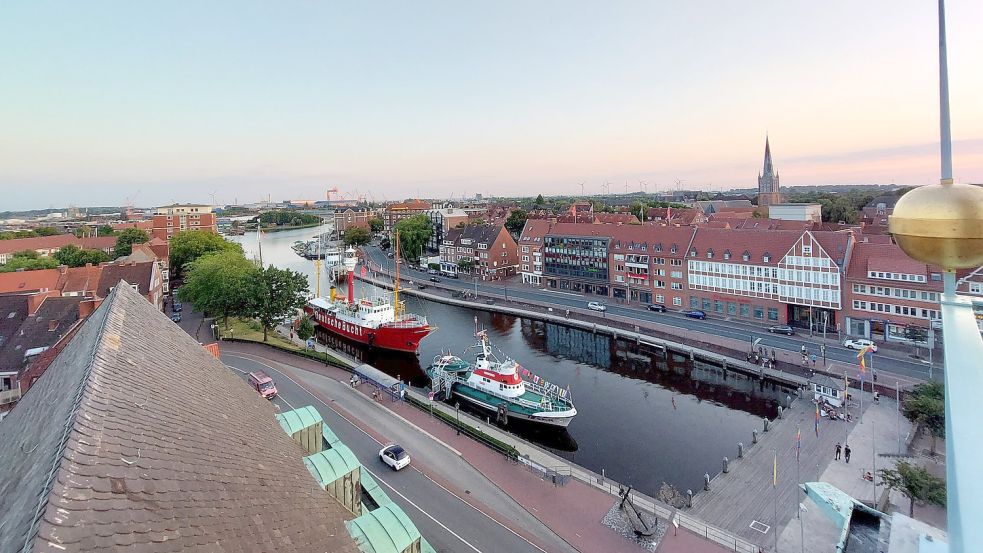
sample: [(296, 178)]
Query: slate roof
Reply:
[(13, 311), (480, 234), (137, 439), (42, 329), (133, 273)]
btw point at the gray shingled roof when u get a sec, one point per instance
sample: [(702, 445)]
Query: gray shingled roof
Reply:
[(137, 438), (44, 328)]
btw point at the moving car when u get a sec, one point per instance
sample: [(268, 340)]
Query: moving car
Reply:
[(395, 456), (860, 343), (433, 272), (597, 306), (781, 329), (695, 314), (434, 279), (177, 307), (263, 384), (658, 307), (176, 317)]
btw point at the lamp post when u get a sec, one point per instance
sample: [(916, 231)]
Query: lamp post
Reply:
[(457, 411)]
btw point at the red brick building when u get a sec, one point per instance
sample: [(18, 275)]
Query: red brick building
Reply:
[(531, 250), (891, 297), (485, 250), (397, 212), (171, 219), (47, 245), (350, 217)]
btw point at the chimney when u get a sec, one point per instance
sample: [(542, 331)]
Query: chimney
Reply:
[(52, 325)]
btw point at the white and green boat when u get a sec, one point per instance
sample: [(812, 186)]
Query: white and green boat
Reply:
[(502, 387)]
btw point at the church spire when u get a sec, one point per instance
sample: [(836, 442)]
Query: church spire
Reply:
[(768, 169)]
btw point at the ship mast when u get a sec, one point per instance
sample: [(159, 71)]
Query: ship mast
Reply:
[(317, 261), (396, 283)]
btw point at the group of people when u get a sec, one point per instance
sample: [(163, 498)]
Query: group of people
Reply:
[(761, 358), (807, 357), (845, 450)]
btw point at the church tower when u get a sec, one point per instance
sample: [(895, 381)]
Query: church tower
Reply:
[(768, 189)]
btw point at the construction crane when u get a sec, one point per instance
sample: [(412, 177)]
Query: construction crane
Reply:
[(127, 210), (330, 191)]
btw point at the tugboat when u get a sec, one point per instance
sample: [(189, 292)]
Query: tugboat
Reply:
[(375, 322), (502, 387)]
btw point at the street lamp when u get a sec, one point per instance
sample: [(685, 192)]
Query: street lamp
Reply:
[(457, 411)]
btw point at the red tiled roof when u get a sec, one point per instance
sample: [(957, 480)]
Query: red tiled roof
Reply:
[(534, 228), (615, 219), (83, 280), (410, 204), (774, 243), (26, 281), (891, 258)]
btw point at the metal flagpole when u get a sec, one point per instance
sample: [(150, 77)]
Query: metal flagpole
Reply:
[(774, 483), (873, 456)]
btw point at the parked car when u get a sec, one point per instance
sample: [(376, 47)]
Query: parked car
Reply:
[(695, 314), (434, 279), (176, 317), (658, 307), (177, 307), (263, 384), (781, 329), (449, 274), (395, 456), (433, 272), (597, 306), (421, 286), (860, 343)]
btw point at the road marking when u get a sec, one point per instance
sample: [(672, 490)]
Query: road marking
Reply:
[(417, 507), (346, 419)]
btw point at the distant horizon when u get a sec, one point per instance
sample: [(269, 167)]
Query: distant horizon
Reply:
[(116, 102)]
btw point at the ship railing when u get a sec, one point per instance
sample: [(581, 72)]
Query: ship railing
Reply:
[(413, 322), (552, 391), (548, 406)]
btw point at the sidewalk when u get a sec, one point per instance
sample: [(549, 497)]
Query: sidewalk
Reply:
[(878, 430)]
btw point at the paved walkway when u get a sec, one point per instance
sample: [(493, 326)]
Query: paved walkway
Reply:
[(878, 431)]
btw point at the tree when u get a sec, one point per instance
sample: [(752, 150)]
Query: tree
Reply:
[(413, 234), (357, 236), (516, 220), (46, 231), (539, 200), (385, 243), (189, 245), (465, 265), (376, 224), (283, 217), (222, 283), (282, 293), (126, 239), (925, 405), (74, 256), (915, 483), (28, 260), (305, 329)]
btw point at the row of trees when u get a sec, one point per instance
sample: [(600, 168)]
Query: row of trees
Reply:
[(282, 217), (226, 284), (41, 231)]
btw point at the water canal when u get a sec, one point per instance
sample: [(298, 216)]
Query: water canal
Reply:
[(642, 418)]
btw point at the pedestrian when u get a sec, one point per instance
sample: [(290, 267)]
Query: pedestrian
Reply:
[(803, 349), (846, 453), (838, 449), (813, 358), (873, 373)]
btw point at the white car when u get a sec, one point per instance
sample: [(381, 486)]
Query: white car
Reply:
[(859, 344), (597, 306), (395, 456)]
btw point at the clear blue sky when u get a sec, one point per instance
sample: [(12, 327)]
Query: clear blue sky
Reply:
[(99, 100)]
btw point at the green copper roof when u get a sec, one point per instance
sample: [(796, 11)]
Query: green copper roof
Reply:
[(372, 488), (384, 530), (331, 464), (330, 439), (298, 419)]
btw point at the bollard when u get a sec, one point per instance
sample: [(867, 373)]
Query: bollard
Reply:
[(706, 481), (740, 450), (692, 356), (754, 436), (726, 467), (767, 424), (780, 412), (689, 499)]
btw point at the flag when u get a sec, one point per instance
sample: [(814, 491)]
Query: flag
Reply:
[(817, 420), (774, 472), (846, 388), (798, 443), (863, 365), (363, 270)]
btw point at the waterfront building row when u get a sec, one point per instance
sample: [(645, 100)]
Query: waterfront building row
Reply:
[(832, 281)]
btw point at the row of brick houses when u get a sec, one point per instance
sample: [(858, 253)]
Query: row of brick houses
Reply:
[(486, 251), (169, 220), (832, 280), (48, 245)]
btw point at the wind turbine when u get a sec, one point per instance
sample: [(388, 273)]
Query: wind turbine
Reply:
[(581, 189)]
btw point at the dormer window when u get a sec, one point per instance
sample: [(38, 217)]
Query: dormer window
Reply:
[(657, 248), (710, 253), (692, 252), (727, 254), (673, 249), (746, 256), (766, 258)]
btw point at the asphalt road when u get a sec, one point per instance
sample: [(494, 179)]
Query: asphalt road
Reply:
[(891, 362), (447, 521)]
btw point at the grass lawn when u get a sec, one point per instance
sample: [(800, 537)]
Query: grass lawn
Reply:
[(250, 329)]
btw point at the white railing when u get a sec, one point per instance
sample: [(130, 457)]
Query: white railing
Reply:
[(9, 396)]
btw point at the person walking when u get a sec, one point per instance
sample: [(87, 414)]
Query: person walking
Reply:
[(846, 453), (838, 449)]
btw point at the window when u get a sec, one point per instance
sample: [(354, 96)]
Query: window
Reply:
[(676, 274), (707, 304), (976, 287), (677, 301), (718, 306), (694, 302), (759, 312), (806, 250), (766, 258), (677, 286), (772, 314), (659, 298), (745, 310), (525, 249)]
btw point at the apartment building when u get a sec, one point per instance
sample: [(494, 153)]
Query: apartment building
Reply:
[(648, 264), (891, 297), (531, 250), (442, 220), (487, 251), (171, 219), (349, 217), (395, 213), (45, 246), (778, 277), (576, 258)]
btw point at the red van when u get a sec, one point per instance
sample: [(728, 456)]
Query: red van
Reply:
[(263, 384)]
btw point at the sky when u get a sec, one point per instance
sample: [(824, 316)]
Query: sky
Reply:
[(152, 102)]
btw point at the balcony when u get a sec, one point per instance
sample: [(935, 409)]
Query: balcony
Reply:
[(10, 396)]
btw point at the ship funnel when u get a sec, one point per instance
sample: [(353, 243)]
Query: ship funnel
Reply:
[(334, 293)]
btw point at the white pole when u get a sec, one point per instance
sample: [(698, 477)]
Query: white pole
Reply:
[(897, 395)]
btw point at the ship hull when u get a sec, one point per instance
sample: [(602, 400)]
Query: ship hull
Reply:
[(491, 404), (406, 339)]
